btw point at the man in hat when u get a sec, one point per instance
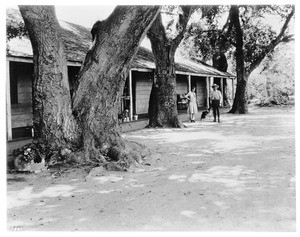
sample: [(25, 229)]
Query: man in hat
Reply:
[(216, 101)]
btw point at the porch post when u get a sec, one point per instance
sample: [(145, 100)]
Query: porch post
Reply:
[(211, 82), (207, 91), (232, 90), (8, 104), (222, 90), (130, 96), (189, 82)]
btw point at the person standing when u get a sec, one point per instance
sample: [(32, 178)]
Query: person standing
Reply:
[(216, 101), (192, 106)]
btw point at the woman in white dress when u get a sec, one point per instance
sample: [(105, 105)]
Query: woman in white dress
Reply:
[(192, 106)]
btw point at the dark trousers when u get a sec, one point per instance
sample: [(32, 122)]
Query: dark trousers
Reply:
[(215, 106)]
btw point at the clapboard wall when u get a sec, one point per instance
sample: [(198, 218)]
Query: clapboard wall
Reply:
[(21, 94), (200, 90), (182, 84), (143, 84)]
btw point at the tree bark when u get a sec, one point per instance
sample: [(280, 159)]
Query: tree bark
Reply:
[(220, 63), (163, 101), (88, 121), (53, 122), (240, 100), (101, 82)]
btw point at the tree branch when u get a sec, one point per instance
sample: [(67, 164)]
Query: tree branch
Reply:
[(228, 24), (157, 29), (280, 38), (287, 38), (183, 20)]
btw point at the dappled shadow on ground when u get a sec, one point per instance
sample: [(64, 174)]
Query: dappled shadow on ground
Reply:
[(26, 195), (238, 175), (237, 134)]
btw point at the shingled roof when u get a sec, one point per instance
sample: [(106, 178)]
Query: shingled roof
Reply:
[(78, 39)]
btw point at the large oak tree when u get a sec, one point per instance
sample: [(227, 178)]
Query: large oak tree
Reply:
[(85, 126), (245, 35), (250, 55), (162, 104)]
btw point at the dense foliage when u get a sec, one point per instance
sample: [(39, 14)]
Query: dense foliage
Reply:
[(264, 27), (274, 81)]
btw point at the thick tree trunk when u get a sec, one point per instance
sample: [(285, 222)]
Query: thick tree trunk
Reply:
[(163, 101), (220, 63), (225, 93), (53, 121), (101, 82), (240, 100), (94, 129)]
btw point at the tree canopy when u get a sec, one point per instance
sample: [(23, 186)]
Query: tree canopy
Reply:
[(205, 37), (260, 36)]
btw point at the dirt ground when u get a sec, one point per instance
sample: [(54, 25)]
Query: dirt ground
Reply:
[(238, 175)]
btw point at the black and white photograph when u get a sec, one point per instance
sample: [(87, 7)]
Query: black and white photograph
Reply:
[(149, 117)]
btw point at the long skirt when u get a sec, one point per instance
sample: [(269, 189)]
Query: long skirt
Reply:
[(192, 108)]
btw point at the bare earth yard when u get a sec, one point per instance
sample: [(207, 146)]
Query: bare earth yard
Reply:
[(238, 175)]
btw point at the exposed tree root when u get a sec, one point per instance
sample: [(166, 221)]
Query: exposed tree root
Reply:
[(122, 158), (39, 155), (177, 124), (238, 111)]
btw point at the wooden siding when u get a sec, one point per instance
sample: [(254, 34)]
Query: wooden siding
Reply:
[(181, 84), (24, 88), (200, 90), (143, 85), (21, 116), (21, 112)]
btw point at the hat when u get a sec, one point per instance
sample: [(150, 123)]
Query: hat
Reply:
[(214, 85)]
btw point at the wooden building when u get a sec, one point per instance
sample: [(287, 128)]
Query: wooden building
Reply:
[(134, 102)]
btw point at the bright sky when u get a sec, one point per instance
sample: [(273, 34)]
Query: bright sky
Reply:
[(83, 15)]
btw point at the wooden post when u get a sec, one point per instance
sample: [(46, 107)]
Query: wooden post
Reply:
[(222, 90), (207, 91), (232, 90), (211, 82), (8, 104), (130, 96), (189, 82)]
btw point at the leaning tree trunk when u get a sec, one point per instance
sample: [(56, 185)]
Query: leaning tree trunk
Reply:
[(101, 82), (53, 122), (162, 110), (240, 100)]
